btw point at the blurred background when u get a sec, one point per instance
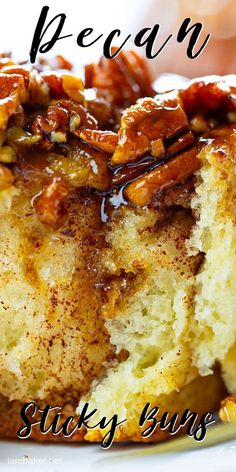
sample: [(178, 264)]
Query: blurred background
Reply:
[(19, 18)]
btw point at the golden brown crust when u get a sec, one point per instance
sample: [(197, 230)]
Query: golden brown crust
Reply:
[(202, 395), (10, 422)]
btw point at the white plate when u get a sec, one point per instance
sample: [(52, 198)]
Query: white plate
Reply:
[(58, 458)]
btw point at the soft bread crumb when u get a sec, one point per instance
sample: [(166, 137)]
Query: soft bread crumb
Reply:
[(150, 321), (214, 332)]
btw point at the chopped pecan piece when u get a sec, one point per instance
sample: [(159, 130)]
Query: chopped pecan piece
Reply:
[(103, 111), (103, 140), (149, 120), (61, 63), (198, 124), (209, 95), (8, 106), (12, 94), (19, 70), (57, 117), (38, 89), (77, 109), (227, 411), (54, 82), (121, 80), (49, 206), (141, 191), (58, 62), (12, 84), (64, 86), (63, 117), (157, 149), (73, 87)]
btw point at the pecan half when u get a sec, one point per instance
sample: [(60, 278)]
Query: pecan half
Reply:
[(209, 95), (66, 116), (56, 118), (131, 171), (147, 124), (77, 109), (141, 191), (103, 140), (121, 80), (37, 89), (49, 206)]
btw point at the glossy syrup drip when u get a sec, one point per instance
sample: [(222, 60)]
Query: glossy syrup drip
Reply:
[(123, 175)]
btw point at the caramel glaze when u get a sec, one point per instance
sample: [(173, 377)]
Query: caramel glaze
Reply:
[(33, 165), (123, 175), (32, 173)]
